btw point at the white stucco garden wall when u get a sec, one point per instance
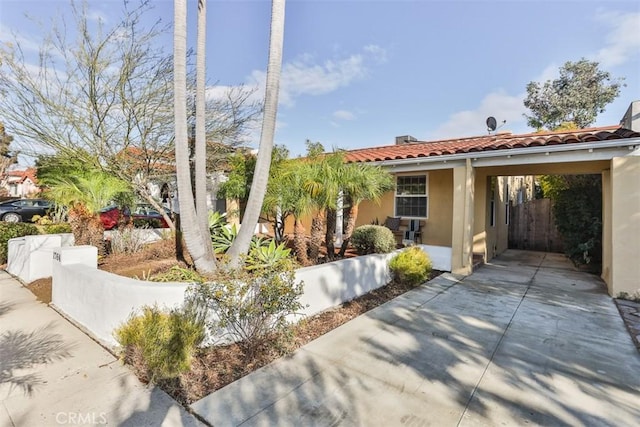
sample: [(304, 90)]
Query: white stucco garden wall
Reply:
[(30, 257), (100, 301)]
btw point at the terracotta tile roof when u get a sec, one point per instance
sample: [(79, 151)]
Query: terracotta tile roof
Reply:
[(486, 143), (21, 175)]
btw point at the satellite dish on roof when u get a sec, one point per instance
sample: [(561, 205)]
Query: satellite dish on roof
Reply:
[(491, 124)]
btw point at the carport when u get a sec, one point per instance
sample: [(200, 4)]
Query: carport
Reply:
[(466, 191)]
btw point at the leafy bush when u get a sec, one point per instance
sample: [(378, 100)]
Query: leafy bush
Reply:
[(11, 230), (411, 266), (217, 221), (266, 255), (60, 228), (128, 240), (373, 239), (159, 344), (41, 220), (178, 274), (251, 306), (223, 238), (577, 209)]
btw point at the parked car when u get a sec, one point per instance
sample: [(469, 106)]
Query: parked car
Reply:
[(142, 215), (23, 210)]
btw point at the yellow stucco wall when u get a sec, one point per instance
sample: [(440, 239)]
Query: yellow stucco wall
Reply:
[(489, 240), (606, 229), (437, 230), (625, 225)]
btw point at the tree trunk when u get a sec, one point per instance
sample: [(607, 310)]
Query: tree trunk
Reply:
[(263, 162), (300, 243), (201, 137), (352, 214), (315, 242), (332, 216), (194, 241)]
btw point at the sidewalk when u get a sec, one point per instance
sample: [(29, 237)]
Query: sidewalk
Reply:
[(53, 374)]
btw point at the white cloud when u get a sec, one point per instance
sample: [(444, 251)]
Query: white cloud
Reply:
[(498, 104), (305, 76), (343, 115), (623, 39)]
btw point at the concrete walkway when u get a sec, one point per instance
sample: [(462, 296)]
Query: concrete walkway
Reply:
[(525, 340), (53, 374)]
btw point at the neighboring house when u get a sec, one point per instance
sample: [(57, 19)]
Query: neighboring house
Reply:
[(460, 189), (20, 183)]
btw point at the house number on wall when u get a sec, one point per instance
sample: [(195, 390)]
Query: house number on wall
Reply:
[(56, 256)]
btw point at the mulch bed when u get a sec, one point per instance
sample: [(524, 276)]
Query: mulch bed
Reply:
[(215, 367), (630, 313)]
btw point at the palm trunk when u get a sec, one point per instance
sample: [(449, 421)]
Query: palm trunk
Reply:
[(263, 162), (194, 240), (315, 242), (352, 214), (200, 143), (330, 235), (300, 243)]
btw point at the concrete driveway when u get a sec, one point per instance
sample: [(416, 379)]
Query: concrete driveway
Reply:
[(524, 340)]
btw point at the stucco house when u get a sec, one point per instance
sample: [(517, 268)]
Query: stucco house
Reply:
[(20, 182), (459, 189)]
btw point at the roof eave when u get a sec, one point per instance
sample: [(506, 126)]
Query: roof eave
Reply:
[(453, 160)]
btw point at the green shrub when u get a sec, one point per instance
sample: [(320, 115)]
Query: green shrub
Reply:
[(60, 228), (178, 274), (159, 344), (128, 240), (373, 239), (10, 230), (411, 266), (251, 307), (263, 255), (217, 220), (223, 238)]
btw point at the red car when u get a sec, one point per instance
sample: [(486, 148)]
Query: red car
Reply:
[(143, 215)]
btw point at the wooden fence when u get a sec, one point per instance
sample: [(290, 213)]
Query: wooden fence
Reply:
[(532, 227)]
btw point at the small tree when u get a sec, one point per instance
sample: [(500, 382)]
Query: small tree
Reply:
[(580, 93), (85, 193), (104, 95)]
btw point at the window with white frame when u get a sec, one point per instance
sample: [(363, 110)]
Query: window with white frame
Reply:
[(412, 196)]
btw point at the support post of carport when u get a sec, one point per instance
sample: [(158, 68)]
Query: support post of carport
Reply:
[(462, 227), (621, 237)]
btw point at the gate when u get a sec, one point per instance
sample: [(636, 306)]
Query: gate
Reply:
[(532, 226)]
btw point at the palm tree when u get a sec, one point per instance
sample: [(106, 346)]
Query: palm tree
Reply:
[(323, 186), (84, 195), (200, 137), (261, 175), (193, 237), (361, 182)]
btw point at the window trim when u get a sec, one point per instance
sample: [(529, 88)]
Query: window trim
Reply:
[(426, 195)]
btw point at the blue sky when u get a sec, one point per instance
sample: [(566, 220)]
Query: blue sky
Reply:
[(358, 73)]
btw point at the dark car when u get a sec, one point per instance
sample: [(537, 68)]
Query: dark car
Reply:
[(23, 210), (142, 215)]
